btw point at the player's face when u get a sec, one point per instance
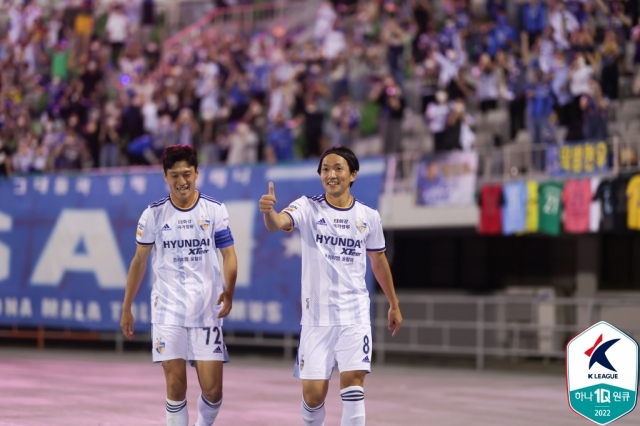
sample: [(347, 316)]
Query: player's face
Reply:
[(335, 174), (182, 181)]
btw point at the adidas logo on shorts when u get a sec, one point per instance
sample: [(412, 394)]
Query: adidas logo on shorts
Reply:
[(321, 222), (166, 227), (217, 350), (366, 359)]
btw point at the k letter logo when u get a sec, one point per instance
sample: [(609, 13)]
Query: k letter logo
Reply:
[(602, 373)]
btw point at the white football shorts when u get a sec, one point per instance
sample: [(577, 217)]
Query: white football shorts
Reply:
[(191, 344), (320, 348)]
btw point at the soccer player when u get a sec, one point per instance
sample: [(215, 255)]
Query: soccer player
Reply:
[(336, 230), (182, 232)]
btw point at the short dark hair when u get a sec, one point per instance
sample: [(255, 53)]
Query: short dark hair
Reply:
[(344, 152), (175, 153)]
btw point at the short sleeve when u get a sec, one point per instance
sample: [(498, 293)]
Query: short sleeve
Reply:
[(296, 211), (145, 233), (221, 230), (375, 240)]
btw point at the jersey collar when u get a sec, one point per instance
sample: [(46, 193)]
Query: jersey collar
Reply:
[(188, 209)]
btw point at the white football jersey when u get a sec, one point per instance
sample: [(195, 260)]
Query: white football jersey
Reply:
[(334, 259), (188, 280)]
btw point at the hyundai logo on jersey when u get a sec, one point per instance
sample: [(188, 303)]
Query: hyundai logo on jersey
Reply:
[(205, 242), (338, 241)]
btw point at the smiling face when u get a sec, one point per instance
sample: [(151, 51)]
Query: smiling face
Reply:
[(335, 175), (182, 181)]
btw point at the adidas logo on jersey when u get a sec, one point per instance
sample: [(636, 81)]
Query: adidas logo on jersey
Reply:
[(166, 227), (321, 222), (218, 350), (366, 359)]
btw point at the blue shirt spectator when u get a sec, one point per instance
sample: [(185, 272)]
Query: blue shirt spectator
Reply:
[(279, 142), (501, 37), (534, 17), (540, 102)]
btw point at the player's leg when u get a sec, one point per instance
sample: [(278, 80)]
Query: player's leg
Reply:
[(314, 364), (352, 393), (170, 347), (314, 392), (208, 353), (353, 353), (175, 373), (210, 401)]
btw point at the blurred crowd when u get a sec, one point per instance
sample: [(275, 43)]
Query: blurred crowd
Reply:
[(85, 90)]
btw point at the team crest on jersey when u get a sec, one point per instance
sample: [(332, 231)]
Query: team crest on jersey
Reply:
[(204, 223), (361, 224), (159, 346)]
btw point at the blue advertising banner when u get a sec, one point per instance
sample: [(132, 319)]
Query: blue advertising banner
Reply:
[(577, 158), (66, 243), (447, 179)]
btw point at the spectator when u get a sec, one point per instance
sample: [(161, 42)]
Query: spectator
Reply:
[(534, 19), (243, 145), (117, 28), (187, 128), (23, 158), (514, 91), (393, 36), (539, 108), (502, 37), (279, 142), (436, 115), (488, 83), (580, 76), (165, 135), (346, 121), (390, 97), (560, 89), (5, 160), (110, 142), (595, 107), (609, 74), (563, 23)]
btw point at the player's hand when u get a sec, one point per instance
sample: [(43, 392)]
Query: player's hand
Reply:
[(268, 201), (395, 319), (225, 298), (126, 323)]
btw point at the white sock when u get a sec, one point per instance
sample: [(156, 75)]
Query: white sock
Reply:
[(353, 413), (207, 411), (177, 413), (313, 416)]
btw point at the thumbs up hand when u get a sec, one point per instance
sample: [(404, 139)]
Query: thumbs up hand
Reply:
[(267, 201)]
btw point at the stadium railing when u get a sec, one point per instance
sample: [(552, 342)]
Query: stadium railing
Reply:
[(287, 13), (498, 326), (516, 162)]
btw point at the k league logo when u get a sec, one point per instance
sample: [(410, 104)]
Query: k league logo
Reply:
[(602, 373)]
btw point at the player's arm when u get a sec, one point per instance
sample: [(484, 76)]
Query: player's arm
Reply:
[(230, 271), (273, 220), (382, 272), (134, 278)]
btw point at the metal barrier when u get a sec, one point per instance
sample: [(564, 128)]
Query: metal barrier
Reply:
[(246, 18), (517, 161), (501, 326)]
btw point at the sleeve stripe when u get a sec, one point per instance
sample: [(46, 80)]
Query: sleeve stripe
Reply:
[(293, 222), (145, 244), (377, 249), (223, 238)]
